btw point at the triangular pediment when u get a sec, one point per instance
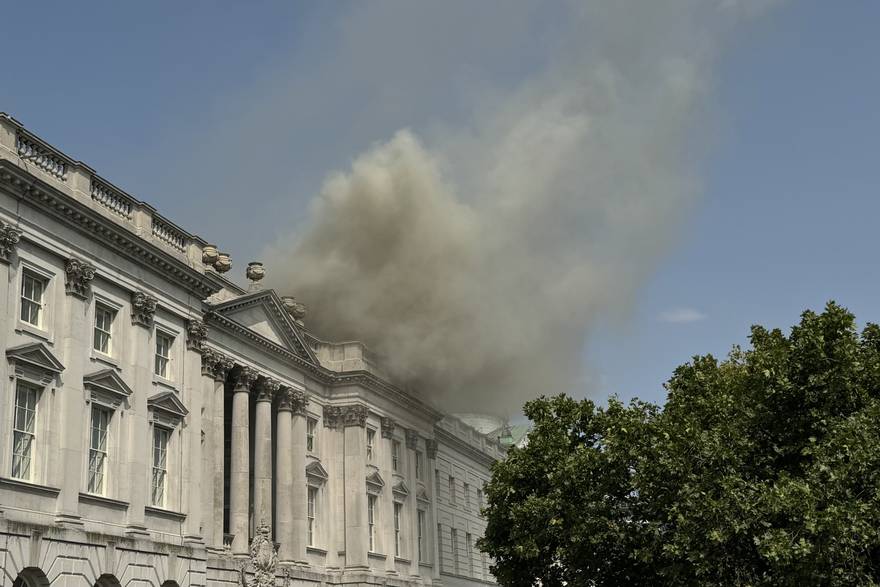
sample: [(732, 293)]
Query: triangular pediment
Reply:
[(263, 313), (422, 495), (169, 403), (375, 481), (400, 488), (36, 356), (107, 381), (315, 470)]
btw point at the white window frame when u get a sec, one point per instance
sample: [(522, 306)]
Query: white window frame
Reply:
[(311, 434), (395, 455), (371, 444), (312, 501), (398, 521), (421, 527), (102, 488), (34, 271), (162, 333), (103, 307), (168, 432), (18, 430), (372, 503)]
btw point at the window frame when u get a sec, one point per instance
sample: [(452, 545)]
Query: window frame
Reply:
[(37, 272), (395, 455), (105, 463), (102, 306), (421, 526), (168, 432), (372, 502), (163, 333), (312, 499), (32, 448), (370, 444), (311, 434)]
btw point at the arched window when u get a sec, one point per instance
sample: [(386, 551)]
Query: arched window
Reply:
[(31, 577)]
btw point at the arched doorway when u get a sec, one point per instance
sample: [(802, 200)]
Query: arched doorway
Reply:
[(31, 577), (107, 580)]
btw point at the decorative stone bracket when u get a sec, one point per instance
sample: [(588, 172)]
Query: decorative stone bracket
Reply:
[(143, 308), (9, 237), (78, 276)]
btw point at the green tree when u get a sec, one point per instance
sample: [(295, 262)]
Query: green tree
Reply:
[(763, 469)]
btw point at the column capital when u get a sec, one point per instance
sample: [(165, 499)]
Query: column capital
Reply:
[(266, 389), (299, 400), (78, 276), (143, 308), (9, 237), (431, 448), (246, 378), (196, 333), (222, 367), (388, 426), (209, 361), (412, 439), (345, 416)]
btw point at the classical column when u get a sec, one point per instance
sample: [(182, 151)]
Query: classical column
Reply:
[(222, 367), (284, 478), (239, 466), (196, 391), (412, 445), (78, 276), (143, 308), (299, 499), (431, 482), (266, 389), (353, 419), (209, 359)]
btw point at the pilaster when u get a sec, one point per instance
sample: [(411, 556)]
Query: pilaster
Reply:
[(284, 478), (266, 389), (353, 419), (221, 369), (431, 482), (193, 397), (299, 503), (209, 360), (412, 445)]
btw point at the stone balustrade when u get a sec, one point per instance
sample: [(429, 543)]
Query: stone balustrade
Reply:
[(43, 156), (165, 232), (112, 199)]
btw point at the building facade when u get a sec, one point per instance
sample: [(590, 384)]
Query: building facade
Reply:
[(162, 426)]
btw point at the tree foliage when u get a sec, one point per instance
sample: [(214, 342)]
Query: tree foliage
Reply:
[(762, 469)]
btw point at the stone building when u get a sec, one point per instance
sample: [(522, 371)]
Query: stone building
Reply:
[(160, 425)]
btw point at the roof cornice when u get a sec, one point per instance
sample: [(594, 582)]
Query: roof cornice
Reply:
[(91, 223), (444, 436)]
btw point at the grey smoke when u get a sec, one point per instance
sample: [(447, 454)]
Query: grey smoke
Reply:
[(477, 259)]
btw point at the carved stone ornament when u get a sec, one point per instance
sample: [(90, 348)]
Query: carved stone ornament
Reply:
[(210, 254), (296, 310), (332, 416), (246, 377), (387, 427), (78, 276), (284, 400), (354, 416), (223, 263), (222, 367), (267, 388), (264, 559), (299, 400), (196, 333), (255, 271), (9, 237), (431, 448), (412, 439), (209, 360), (143, 308)]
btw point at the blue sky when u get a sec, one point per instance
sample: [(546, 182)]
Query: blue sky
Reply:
[(166, 100)]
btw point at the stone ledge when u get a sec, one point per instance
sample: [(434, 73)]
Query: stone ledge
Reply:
[(163, 513), (104, 501), (29, 487)]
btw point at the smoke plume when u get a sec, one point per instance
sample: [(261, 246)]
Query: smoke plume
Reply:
[(476, 260)]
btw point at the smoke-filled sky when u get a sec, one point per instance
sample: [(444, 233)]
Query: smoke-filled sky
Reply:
[(502, 198)]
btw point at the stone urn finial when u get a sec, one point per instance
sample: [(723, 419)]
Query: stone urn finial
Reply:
[(210, 254), (223, 263), (296, 310), (255, 272)]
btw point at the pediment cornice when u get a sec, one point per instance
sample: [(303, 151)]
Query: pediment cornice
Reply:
[(35, 362)]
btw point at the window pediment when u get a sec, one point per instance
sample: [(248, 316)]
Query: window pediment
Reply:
[(316, 474), (107, 387), (375, 483), (422, 495), (34, 362), (167, 408), (400, 489)]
